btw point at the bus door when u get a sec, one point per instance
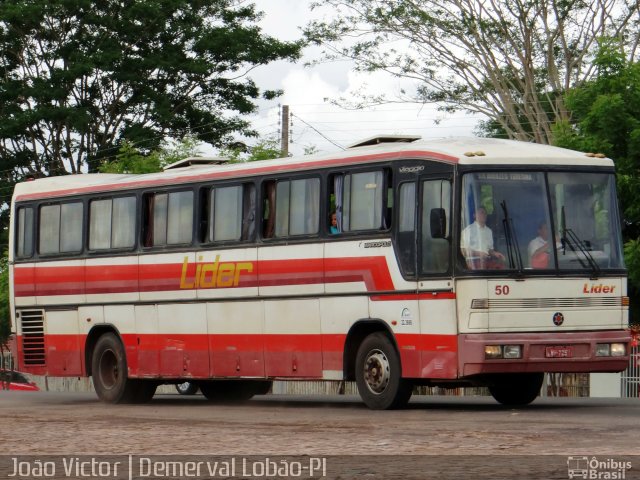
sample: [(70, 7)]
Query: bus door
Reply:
[(438, 328), (403, 308)]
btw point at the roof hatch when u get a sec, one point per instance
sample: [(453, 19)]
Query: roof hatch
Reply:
[(376, 140), (196, 162)]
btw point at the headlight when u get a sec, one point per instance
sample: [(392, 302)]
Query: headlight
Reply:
[(492, 351), (512, 351), (611, 350), (618, 349)]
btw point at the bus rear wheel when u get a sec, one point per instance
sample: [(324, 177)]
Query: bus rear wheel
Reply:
[(379, 374), (187, 388), (223, 391), (110, 379), (517, 389)]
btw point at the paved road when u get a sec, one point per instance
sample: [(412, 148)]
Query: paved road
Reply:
[(488, 440), (43, 423)]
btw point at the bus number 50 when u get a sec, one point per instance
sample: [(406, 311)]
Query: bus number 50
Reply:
[(502, 289)]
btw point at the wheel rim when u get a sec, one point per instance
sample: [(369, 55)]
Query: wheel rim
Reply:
[(109, 371), (183, 387), (377, 371)]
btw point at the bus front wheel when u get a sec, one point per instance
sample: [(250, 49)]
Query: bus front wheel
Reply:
[(109, 370), (379, 374), (517, 389)]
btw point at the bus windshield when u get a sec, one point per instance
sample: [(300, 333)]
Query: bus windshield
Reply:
[(528, 221)]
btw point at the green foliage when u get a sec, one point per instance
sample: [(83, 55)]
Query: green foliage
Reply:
[(632, 260), (79, 77), (264, 149), (605, 118), (311, 150), (133, 160)]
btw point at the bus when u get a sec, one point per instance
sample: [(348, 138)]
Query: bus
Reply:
[(395, 263)]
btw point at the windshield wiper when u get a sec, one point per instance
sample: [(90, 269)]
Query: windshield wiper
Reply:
[(570, 239), (513, 250)]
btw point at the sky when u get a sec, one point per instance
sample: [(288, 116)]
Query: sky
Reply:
[(315, 121)]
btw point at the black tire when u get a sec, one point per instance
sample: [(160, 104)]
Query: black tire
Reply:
[(261, 387), (517, 389), (145, 390), (379, 374), (227, 391), (109, 370), (187, 388)]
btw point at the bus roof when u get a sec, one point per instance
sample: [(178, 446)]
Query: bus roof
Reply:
[(455, 150)]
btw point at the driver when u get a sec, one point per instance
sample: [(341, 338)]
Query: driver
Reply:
[(477, 242)]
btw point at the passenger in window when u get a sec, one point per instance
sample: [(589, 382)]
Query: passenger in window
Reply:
[(477, 244), (333, 228), (539, 248)]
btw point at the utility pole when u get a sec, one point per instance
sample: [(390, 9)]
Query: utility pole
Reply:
[(284, 138)]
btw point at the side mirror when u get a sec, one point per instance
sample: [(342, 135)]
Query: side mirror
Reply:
[(438, 222)]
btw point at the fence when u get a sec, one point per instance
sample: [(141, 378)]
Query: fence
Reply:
[(630, 380), (6, 360)]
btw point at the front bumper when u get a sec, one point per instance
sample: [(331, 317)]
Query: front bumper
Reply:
[(472, 361)]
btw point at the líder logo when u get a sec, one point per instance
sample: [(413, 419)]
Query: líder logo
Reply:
[(215, 274), (558, 319)]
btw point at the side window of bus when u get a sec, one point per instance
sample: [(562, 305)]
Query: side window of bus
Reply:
[(436, 226), (291, 208), (60, 228), (24, 240), (230, 213), (168, 218), (406, 240), (362, 200), (112, 223)]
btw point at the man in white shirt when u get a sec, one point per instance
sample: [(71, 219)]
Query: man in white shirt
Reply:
[(477, 242)]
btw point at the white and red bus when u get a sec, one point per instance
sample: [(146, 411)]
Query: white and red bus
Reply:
[(437, 271)]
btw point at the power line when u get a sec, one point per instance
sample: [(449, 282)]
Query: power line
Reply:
[(318, 132)]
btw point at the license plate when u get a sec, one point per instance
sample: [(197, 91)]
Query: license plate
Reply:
[(559, 352)]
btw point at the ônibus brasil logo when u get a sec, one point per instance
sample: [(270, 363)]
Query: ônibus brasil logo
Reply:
[(594, 468)]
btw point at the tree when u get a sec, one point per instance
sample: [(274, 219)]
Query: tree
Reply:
[(264, 149), (78, 77), (509, 60), (605, 118), (135, 161)]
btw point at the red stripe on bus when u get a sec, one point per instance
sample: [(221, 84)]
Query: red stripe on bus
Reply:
[(273, 342), (393, 297), (247, 172), (104, 279), (272, 273), (176, 355)]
